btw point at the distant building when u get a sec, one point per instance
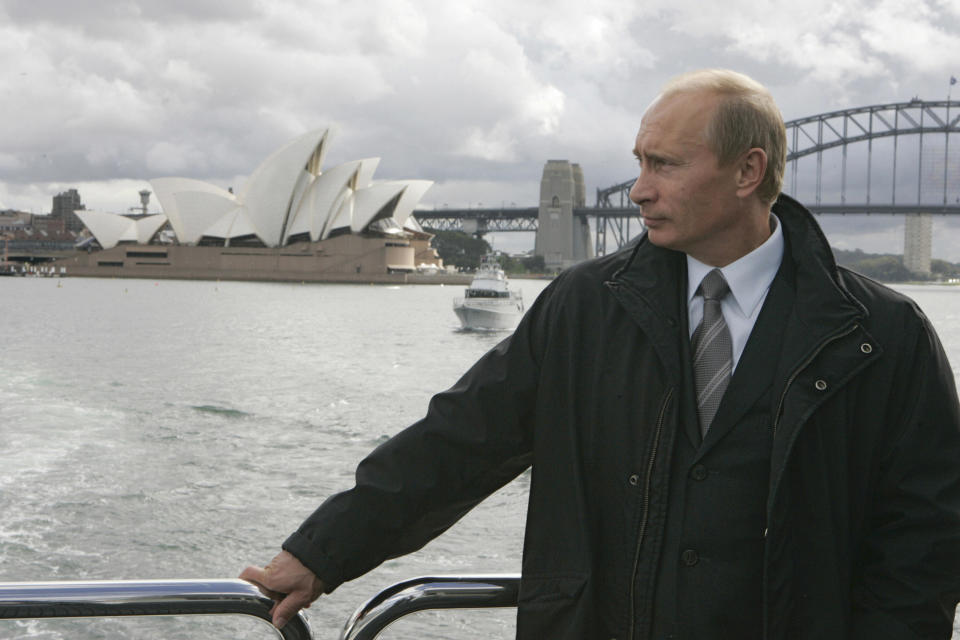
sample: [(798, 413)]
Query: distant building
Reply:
[(291, 221), (49, 224), (64, 205), (25, 232), (917, 241), (286, 200), (11, 220)]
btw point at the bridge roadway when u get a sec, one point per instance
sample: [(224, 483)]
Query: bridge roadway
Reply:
[(525, 218)]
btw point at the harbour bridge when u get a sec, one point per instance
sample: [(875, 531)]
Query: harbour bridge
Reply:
[(888, 159)]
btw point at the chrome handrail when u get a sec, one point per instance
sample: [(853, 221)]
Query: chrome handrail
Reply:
[(111, 598), (418, 594)]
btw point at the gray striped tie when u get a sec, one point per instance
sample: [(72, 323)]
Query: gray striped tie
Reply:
[(712, 349)]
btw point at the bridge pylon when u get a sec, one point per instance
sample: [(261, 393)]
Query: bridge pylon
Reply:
[(562, 238)]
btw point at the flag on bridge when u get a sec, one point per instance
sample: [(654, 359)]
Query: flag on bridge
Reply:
[(953, 80)]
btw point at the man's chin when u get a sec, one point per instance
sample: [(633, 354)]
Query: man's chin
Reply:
[(660, 238)]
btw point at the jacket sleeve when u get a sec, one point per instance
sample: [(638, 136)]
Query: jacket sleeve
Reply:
[(475, 437), (910, 582)]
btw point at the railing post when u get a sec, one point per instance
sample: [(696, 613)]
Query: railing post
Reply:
[(419, 594)]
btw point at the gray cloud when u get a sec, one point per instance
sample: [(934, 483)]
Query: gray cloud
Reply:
[(475, 95)]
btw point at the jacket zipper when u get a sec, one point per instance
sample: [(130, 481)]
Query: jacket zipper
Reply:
[(646, 509), (776, 423), (796, 372)]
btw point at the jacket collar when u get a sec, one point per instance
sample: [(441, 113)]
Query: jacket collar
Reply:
[(823, 304), (649, 285), (651, 280), (655, 272), (648, 268)]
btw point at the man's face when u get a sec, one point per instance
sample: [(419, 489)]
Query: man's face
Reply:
[(689, 203)]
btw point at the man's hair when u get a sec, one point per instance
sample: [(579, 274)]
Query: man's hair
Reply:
[(746, 117)]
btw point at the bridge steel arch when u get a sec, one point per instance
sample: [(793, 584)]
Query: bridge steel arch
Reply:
[(818, 133), (617, 220), (813, 135)]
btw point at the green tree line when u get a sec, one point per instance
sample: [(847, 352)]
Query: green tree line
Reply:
[(887, 267), (464, 251)]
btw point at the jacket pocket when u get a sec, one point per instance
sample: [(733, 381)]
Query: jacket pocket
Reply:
[(552, 606)]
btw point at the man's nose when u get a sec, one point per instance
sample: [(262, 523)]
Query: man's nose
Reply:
[(640, 192)]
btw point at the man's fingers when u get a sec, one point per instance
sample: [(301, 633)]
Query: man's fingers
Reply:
[(258, 577), (287, 582), (253, 574), (288, 607)]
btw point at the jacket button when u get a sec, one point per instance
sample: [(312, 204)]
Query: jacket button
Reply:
[(699, 472), (866, 347), (689, 557), (634, 480), (821, 385)]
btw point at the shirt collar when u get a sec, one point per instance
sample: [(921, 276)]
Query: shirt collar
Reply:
[(750, 276)]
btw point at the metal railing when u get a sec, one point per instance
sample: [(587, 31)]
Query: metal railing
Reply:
[(122, 598), (34, 600), (419, 594)]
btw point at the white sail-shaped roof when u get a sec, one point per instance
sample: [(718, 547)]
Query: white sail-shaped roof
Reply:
[(411, 196), (269, 192), (379, 200), (191, 205), (234, 224), (413, 225), (342, 217), (326, 194), (200, 210), (364, 177), (304, 185), (145, 227), (110, 228), (313, 209), (288, 195)]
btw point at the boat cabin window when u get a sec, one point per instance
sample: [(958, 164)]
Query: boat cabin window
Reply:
[(486, 293)]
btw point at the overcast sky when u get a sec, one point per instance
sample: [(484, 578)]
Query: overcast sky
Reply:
[(473, 94)]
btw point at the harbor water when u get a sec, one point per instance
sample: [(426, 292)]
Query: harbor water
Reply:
[(173, 429)]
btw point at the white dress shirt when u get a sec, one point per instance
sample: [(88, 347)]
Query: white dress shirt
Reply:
[(749, 278)]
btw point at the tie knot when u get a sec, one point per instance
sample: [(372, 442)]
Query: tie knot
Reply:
[(714, 286)]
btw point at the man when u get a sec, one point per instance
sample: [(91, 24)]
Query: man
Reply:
[(730, 436)]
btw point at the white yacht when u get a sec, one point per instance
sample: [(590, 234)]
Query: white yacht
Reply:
[(488, 302)]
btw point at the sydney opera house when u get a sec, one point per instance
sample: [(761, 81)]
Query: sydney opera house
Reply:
[(291, 221)]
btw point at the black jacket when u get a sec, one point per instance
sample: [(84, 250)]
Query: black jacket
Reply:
[(863, 516)]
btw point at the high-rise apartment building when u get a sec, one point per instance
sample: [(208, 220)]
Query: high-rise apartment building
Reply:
[(917, 241), (64, 205)]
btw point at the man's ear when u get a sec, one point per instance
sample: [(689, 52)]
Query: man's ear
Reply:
[(752, 166)]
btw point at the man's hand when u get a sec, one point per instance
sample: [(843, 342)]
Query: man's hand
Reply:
[(288, 583)]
